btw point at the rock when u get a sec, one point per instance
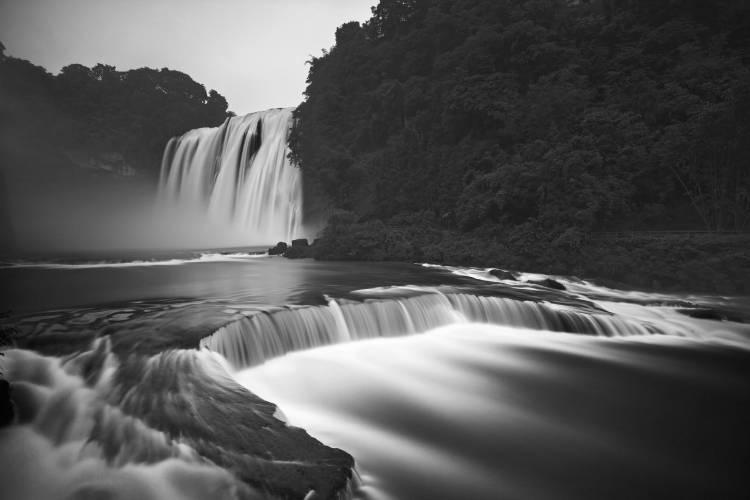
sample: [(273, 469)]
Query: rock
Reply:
[(549, 283), (279, 249), (300, 249), (703, 313), (503, 275), (6, 405)]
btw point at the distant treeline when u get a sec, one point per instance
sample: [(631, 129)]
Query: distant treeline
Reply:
[(91, 111), (537, 120)]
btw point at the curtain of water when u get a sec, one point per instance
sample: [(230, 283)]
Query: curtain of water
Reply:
[(253, 340), (237, 175)]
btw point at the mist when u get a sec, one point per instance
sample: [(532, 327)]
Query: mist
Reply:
[(76, 211)]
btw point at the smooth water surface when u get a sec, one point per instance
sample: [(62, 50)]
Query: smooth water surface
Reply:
[(236, 276)]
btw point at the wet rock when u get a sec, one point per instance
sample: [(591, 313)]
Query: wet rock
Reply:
[(713, 314), (300, 249), (503, 275), (279, 249), (549, 283), (702, 313)]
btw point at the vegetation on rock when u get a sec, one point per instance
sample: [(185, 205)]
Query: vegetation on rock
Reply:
[(97, 112), (527, 128)]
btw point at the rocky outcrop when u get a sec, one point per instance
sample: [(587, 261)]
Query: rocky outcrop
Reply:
[(279, 249), (177, 405), (548, 283), (299, 249), (502, 274)]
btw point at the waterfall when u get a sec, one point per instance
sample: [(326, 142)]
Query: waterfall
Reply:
[(237, 176), (254, 339)]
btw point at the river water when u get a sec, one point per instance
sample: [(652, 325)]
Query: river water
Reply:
[(441, 382)]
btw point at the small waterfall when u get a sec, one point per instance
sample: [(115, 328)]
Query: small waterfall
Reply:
[(237, 175), (254, 339)]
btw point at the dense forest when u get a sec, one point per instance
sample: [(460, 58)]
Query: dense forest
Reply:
[(522, 132), (83, 113)]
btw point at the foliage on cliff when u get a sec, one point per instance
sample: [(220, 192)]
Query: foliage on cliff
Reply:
[(98, 110), (533, 121)]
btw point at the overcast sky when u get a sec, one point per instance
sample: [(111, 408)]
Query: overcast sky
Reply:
[(253, 52)]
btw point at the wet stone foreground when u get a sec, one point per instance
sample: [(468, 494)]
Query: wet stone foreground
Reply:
[(154, 396)]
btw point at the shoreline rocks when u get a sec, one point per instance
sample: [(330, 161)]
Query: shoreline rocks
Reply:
[(548, 283), (279, 249), (299, 249), (503, 275)]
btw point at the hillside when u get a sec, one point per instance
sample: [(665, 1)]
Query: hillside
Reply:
[(527, 129), (86, 142), (98, 115)]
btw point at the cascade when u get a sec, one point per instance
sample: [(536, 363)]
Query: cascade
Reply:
[(256, 338), (237, 175)]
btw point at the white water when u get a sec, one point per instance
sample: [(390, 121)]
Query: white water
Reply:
[(487, 412), (203, 257), (265, 335), (76, 435), (474, 410), (236, 176)]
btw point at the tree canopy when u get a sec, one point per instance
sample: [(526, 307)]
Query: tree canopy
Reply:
[(543, 118), (99, 110)]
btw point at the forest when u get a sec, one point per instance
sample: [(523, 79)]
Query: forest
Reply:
[(528, 132), (48, 119)]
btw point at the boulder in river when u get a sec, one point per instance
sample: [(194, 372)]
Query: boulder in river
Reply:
[(300, 249), (502, 274), (279, 249), (549, 283)]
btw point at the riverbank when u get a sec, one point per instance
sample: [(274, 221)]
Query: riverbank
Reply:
[(652, 261)]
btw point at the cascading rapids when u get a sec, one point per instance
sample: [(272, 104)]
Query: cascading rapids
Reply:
[(237, 176), (97, 424), (259, 337)]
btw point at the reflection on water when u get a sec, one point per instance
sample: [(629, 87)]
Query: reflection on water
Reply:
[(486, 412)]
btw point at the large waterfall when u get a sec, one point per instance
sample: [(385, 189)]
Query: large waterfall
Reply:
[(236, 176)]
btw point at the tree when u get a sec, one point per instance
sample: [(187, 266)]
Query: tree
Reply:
[(552, 116)]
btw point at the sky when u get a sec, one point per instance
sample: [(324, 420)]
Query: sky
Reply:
[(253, 52)]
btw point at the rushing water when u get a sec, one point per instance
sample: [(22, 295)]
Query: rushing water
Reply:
[(485, 412), (440, 382), (237, 175)]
